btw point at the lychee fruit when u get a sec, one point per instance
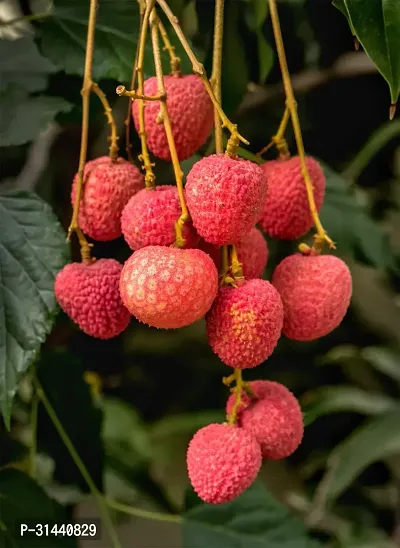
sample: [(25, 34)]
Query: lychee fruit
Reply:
[(315, 291), (190, 110), (149, 219), (108, 185), (272, 415), (222, 461), (167, 287), (286, 212), (89, 295), (225, 197), (245, 323), (252, 251)]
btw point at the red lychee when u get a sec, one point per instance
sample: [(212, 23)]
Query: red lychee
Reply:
[(168, 287), (315, 291), (286, 213), (190, 110), (149, 219), (272, 416), (225, 197), (222, 461), (245, 323), (107, 188), (89, 295), (252, 251)]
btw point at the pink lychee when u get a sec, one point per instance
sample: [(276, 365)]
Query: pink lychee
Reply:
[(315, 291), (252, 251), (89, 295), (286, 213), (190, 110), (107, 188), (272, 415), (168, 287), (225, 197), (245, 323), (222, 461), (149, 219)]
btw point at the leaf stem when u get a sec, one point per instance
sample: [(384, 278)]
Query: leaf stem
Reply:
[(180, 241), (175, 61), (216, 70), (79, 464), (144, 157), (33, 445), (378, 140), (110, 119), (85, 92), (198, 69), (291, 105), (140, 513)]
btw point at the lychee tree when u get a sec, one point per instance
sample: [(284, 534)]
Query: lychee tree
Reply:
[(236, 255)]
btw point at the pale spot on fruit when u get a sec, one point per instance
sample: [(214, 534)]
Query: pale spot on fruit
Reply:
[(139, 294), (152, 270), (144, 261), (152, 284), (151, 298), (141, 279)]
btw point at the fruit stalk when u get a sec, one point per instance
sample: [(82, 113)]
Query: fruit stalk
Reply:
[(175, 61), (144, 157), (291, 105), (198, 69), (216, 70), (279, 138), (110, 119), (237, 390), (85, 92), (180, 241)]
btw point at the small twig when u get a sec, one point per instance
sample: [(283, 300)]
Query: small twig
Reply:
[(279, 138), (237, 390), (175, 61), (236, 265), (123, 92), (140, 513), (198, 69), (216, 71), (110, 119), (291, 104), (180, 241)]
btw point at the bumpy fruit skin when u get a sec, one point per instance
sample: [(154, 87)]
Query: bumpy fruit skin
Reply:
[(225, 197), (315, 291), (222, 461), (149, 219), (273, 417), (190, 110), (168, 287), (107, 188), (252, 251), (245, 323), (89, 295), (286, 214)]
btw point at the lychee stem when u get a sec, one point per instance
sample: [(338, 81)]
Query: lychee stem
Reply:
[(216, 70), (236, 265), (144, 156), (237, 390), (279, 138), (110, 119), (127, 121), (198, 69), (180, 241), (85, 92), (175, 61), (291, 105)]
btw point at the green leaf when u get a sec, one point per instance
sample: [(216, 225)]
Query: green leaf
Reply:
[(23, 118), (255, 519), (376, 25), (22, 66), (265, 56), (81, 419), (348, 223), (63, 39), (256, 14), (32, 250), (186, 423), (22, 499), (375, 440), (384, 360), (332, 399)]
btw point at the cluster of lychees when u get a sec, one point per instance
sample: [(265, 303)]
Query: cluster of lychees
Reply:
[(166, 286)]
